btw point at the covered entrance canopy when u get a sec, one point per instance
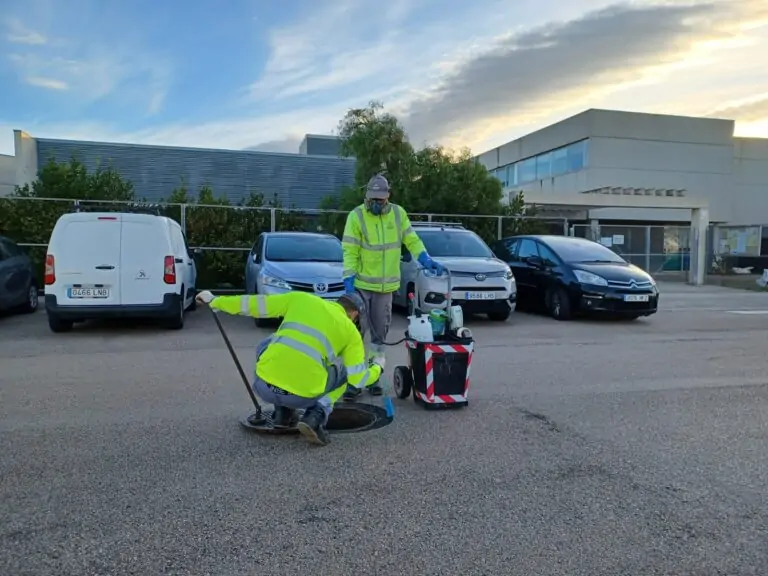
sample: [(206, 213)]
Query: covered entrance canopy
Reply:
[(623, 197)]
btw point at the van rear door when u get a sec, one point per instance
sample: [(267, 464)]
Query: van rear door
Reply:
[(87, 254), (144, 246)]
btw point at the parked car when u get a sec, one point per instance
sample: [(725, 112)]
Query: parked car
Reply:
[(18, 287), (480, 282), (280, 262), (568, 276), (118, 265)]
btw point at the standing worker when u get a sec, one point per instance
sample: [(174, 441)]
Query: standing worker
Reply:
[(315, 354), (373, 238)]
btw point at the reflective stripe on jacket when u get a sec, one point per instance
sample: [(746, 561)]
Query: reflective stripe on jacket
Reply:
[(313, 334), (372, 246)]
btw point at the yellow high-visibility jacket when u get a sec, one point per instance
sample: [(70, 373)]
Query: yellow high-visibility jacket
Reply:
[(314, 332), (372, 247)]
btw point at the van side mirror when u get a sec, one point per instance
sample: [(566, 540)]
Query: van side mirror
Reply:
[(196, 253), (406, 257)]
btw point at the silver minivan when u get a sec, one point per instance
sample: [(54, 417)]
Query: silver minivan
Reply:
[(480, 282)]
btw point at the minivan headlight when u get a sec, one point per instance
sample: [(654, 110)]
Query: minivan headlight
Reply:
[(585, 277), (508, 275), (275, 282)]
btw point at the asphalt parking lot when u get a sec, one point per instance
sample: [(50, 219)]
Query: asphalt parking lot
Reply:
[(589, 448)]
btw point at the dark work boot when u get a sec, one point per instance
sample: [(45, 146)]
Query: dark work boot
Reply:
[(284, 417), (351, 394), (375, 389), (312, 426)]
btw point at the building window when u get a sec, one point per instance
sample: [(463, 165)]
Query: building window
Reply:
[(526, 170), (577, 156), (512, 174), (544, 166), (560, 161)]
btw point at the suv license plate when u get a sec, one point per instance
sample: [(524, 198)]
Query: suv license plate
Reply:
[(480, 296), (636, 298)]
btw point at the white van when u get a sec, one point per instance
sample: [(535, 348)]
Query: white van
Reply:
[(118, 265)]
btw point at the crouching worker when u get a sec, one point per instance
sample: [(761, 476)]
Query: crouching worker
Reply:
[(312, 357)]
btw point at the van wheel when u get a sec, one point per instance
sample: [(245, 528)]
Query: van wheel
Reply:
[(59, 325), (176, 322)]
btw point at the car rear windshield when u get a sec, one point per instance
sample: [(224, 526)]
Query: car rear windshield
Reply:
[(304, 249), (578, 250), (447, 243)]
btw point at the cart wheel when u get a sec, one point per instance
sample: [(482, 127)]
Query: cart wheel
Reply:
[(402, 381)]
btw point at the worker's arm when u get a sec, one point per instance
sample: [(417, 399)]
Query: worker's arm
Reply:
[(351, 243), (359, 374), (410, 238), (257, 306)]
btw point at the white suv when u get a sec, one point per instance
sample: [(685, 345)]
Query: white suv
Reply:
[(480, 282)]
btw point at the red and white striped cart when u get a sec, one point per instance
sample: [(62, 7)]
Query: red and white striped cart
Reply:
[(437, 372)]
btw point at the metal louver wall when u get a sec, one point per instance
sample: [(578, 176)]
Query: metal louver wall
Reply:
[(155, 171)]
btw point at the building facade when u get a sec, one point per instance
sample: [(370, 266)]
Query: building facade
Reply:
[(603, 149), (301, 180)]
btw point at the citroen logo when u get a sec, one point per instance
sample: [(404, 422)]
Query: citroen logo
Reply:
[(480, 277), (321, 288), (632, 284)]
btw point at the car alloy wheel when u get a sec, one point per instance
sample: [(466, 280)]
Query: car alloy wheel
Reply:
[(32, 298)]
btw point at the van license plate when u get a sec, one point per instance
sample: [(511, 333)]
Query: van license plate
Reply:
[(636, 298), (480, 295), (89, 292)]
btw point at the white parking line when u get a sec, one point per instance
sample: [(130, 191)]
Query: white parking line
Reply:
[(755, 312)]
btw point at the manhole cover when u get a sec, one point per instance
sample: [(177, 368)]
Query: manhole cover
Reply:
[(346, 417)]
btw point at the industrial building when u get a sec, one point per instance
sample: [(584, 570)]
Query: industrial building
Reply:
[(621, 154), (300, 180)]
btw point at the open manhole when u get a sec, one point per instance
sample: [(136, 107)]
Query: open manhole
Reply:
[(347, 417)]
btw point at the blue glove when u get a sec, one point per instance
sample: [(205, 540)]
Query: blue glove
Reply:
[(430, 264), (349, 284)]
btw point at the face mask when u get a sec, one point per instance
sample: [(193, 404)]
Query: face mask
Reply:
[(376, 208)]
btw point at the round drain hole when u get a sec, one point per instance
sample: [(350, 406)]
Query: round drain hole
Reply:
[(357, 417), (347, 417)]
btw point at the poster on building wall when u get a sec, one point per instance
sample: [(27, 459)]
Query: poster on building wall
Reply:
[(618, 239), (606, 241)]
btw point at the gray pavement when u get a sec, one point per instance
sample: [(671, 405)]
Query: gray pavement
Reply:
[(589, 448)]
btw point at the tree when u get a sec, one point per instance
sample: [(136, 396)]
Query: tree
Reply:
[(431, 180), (28, 220)]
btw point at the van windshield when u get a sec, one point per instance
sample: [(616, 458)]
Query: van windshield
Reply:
[(300, 248)]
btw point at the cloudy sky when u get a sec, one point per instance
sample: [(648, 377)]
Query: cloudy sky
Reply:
[(261, 73)]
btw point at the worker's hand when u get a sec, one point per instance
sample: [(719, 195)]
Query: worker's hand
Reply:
[(379, 361), (435, 267), (204, 297), (349, 284)]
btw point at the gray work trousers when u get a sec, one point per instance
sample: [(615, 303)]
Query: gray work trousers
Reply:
[(337, 377), (379, 308)]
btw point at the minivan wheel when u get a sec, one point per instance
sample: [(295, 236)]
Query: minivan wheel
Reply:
[(260, 322), (176, 322), (559, 304), (59, 325)]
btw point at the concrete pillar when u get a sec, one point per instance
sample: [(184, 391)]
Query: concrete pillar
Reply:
[(699, 227), (594, 230)]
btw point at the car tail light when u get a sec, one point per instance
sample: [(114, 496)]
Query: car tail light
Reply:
[(50, 269), (169, 271)]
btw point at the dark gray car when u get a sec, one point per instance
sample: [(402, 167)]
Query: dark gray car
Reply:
[(18, 287)]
